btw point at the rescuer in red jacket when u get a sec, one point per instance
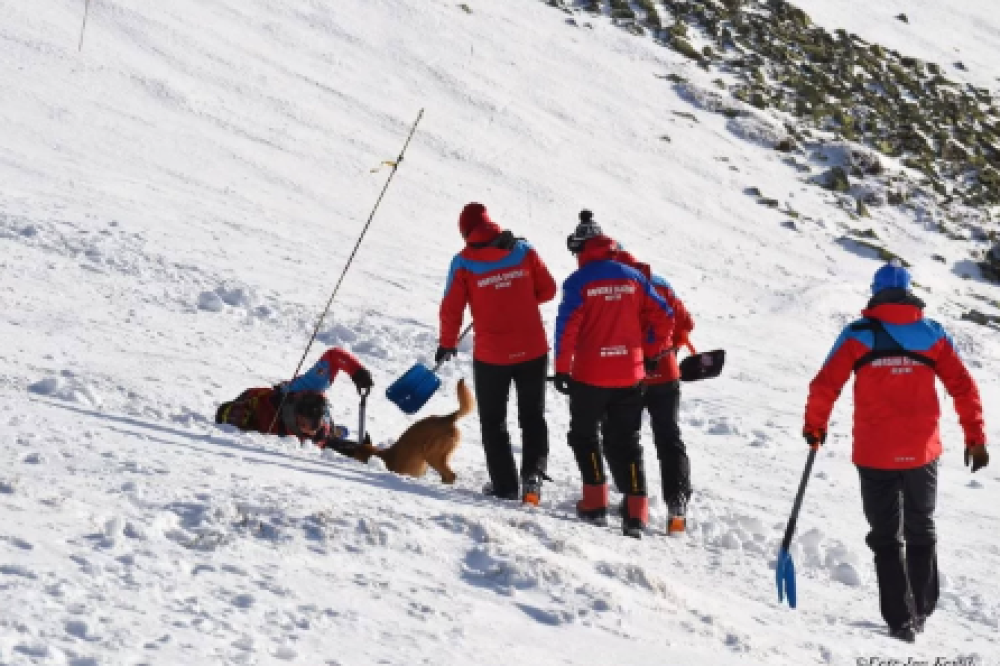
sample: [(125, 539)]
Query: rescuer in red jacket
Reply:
[(895, 355), (662, 399), (503, 281), (611, 327)]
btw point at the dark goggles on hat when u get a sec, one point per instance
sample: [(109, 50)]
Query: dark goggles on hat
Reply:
[(575, 244)]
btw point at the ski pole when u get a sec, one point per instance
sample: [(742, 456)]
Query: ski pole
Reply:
[(350, 259), (785, 569), (83, 28)]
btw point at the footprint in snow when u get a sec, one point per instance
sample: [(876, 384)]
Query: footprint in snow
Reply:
[(17, 543)]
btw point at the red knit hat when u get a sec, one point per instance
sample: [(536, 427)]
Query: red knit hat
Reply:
[(474, 220)]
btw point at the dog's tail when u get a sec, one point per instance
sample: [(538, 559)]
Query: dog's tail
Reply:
[(365, 451), (465, 401)]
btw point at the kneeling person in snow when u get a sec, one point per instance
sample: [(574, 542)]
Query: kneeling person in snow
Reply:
[(305, 412), (895, 355)]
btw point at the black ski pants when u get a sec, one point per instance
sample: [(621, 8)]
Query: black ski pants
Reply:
[(620, 410), (899, 506), (663, 402), (492, 393)]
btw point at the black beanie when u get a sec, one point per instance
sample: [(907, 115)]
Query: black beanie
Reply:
[(587, 228)]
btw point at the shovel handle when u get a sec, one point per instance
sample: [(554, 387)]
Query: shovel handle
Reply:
[(460, 338), (790, 529), (361, 417)]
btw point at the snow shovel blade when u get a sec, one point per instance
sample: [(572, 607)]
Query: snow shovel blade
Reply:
[(412, 391), (785, 577), (703, 366)]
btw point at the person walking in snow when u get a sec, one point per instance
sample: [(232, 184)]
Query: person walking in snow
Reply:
[(611, 328), (895, 354), (304, 409), (662, 398), (503, 281)]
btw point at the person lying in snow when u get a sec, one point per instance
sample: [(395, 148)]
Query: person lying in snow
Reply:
[(305, 411)]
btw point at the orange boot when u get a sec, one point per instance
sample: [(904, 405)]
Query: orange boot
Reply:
[(676, 520)]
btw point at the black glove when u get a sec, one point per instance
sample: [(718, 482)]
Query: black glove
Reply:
[(445, 354), (563, 382), (362, 380), (815, 437), (651, 364), (977, 455)]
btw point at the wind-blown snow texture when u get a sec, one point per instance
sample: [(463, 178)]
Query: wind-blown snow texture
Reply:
[(177, 201)]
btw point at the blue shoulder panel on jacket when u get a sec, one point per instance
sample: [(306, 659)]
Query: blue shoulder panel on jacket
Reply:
[(451, 274), (606, 269), (867, 338), (918, 336), (659, 300), (515, 257), (944, 334), (612, 270), (660, 282), (572, 299)]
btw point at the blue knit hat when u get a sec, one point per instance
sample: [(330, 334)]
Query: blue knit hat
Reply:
[(891, 276)]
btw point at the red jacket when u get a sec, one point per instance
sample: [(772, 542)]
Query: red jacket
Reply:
[(503, 288), (667, 370), (610, 320), (896, 409)]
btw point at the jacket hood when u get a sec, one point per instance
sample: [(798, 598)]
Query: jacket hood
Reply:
[(625, 257), (598, 248), (895, 313)]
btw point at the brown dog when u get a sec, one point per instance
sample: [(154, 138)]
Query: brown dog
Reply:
[(429, 442)]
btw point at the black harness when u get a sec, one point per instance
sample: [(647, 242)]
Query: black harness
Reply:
[(885, 346)]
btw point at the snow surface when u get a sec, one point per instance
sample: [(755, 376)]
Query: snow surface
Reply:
[(178, 200)]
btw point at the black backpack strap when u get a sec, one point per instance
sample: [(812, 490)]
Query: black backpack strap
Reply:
[(885, 346)]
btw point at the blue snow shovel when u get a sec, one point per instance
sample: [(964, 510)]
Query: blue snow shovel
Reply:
[(412, 391), (785, 570)]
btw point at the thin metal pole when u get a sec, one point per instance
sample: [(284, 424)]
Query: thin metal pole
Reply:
[(86, 12), (361, 417), (347, 266)]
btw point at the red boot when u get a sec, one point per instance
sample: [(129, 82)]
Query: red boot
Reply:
[(635, 516), (593, 508)]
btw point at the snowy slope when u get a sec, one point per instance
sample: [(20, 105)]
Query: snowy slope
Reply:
[(178, 200)]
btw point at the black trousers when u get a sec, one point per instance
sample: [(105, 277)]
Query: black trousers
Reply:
[(492, 393), (663, 401), (617, 412), (899, 506)]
